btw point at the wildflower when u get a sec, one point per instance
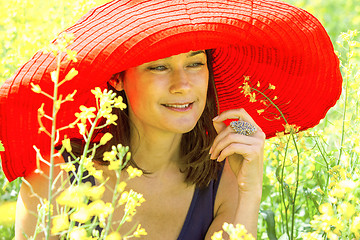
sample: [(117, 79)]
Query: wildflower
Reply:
[(71, 55), (71, 74), (105, 138), (86, 113), (67, 145), (260, 111), (217, 235), (280, 134), (41, 111), (111, 119), (73, 196), (121, 187), (97, 92), (346, 209), (60, 223), (133, 172), (114, 165), (78, 234), (291, 128), (82, 128), (68, 167), (99, 207), (123, 198), (271, 87), (81, 215), (139, 231), (119, 103), (109, 156), (95, 193), (252, 97), (113, 236), (35, 88), (326, 208), (54, 76)]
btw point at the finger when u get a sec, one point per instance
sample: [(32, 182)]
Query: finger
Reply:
[(232, 138), (228, 136), (237, 148), (219, 125)]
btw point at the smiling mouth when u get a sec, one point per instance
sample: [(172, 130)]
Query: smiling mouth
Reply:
[(178, 106)]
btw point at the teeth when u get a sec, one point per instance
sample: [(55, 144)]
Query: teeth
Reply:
[(177, 106)]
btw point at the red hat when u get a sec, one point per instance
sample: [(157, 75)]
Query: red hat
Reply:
[(269, 41)]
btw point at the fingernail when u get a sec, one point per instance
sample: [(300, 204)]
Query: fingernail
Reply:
[(210, 151), (215, 118)]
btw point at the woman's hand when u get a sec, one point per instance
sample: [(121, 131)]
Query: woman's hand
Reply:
[(245, 153)]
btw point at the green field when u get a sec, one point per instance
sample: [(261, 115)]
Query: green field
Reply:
[(311, 185)]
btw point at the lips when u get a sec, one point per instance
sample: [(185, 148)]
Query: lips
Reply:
[(178, 106)]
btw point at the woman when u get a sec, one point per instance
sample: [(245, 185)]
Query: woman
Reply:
[(166, 76)]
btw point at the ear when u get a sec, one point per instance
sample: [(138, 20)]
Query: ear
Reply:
[(117, 82)]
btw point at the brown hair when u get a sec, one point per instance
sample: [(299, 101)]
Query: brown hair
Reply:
[(197, 166)]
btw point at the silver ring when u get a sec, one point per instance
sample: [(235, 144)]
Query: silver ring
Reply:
[(242, 127)]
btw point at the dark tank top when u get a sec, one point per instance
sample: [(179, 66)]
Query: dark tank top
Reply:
[(200, 213)]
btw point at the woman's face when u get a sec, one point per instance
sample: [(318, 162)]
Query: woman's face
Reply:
[(168, 94)]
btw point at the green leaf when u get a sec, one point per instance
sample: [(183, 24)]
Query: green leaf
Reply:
[(269, 217), (2, 149)]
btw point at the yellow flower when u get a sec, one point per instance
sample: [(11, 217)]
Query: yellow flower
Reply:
[(68, 167), (109, 156), (54, 76), (111, 119), (73, 196), (113, 236), (260, 111), (8, 210), (35, 88), (114, 165), (71, 74), (60, 223), (271, 87), (95, 193), (81, 215), (121, 187), (326, 208), (124, 198), (217, 235), (78, 234), (66, 144), (105, 138), (133, 172), (71, 55), (119, 103), (82, 128), (97, 92), (140, 231), (346, 209)]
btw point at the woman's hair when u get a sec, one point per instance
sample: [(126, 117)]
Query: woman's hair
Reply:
[(196, 164)]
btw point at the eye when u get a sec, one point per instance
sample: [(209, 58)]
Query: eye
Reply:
[(196, 65), (158, 68)]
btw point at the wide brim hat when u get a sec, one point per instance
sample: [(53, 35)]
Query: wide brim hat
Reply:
[(269, 42)]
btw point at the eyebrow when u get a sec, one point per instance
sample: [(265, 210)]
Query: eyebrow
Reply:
[(196, 53)]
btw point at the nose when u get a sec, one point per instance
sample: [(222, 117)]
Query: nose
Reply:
[(180, 82)]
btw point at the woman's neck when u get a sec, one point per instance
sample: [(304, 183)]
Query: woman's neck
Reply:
[(156, 151)]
